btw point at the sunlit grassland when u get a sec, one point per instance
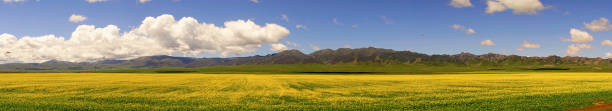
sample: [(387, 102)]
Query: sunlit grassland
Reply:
[(519, 91)]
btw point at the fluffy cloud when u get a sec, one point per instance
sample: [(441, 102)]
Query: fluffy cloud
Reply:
[(518, 6), (469, 31), (77, 18), (161, 35), (255, 1), (603, 24), (606, 43), (579, 36), (520, 49), (300, 26), (460, 3), (526, 44), (86, 44), (494, 6), (144, 1), (278, 47), (487, 43), (576, 48), (608, 55), (188, 35), (94, 1), (12, 1)]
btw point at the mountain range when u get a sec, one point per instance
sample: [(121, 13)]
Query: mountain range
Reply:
[(357, 56)]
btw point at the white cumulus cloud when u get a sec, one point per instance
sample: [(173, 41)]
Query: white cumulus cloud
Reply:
[(94, 1), (278, 47), (606, 43), (460, 3), (518, 6), (494, 6), (576, 48), (487, 43), (608, 55), (162, 35), (255, 1), (144, 1), (577, 35), (527, 44), (77, 18), (603, 24), (468, 31)]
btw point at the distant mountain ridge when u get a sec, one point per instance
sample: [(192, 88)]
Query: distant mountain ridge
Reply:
[(368, 55)]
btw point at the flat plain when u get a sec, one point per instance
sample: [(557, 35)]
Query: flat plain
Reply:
[(478, 91)]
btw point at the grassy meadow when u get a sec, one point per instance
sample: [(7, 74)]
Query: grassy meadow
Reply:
[(123, 91)]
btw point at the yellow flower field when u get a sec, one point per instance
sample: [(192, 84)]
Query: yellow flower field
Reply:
[(518, 91)]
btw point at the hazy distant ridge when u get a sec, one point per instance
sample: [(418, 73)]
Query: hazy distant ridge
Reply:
[(326, 56)]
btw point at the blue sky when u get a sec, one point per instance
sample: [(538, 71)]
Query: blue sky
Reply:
[(417, 25)]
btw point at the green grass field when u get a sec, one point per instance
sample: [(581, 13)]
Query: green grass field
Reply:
[(514, 91)]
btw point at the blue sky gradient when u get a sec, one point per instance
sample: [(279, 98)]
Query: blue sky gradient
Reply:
[(418, 25)]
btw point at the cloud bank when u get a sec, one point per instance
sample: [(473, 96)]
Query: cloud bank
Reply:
[(162, 35)]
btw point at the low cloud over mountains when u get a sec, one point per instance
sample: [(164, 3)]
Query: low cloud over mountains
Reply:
[(162, 35)]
